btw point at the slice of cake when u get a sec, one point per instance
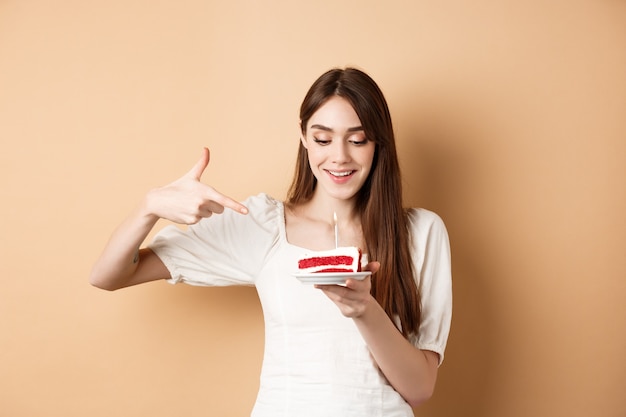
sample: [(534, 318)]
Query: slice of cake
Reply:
[(343, 259)]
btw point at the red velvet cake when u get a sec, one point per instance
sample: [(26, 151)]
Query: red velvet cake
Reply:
[(344, 259)]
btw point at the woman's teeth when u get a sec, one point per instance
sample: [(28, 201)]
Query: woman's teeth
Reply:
[(340, 174)]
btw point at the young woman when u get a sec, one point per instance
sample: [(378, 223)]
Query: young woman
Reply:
[(366, 348)]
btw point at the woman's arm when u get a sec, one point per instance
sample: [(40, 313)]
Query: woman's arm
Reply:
[(122, 263), (185, 201), (411, 371)]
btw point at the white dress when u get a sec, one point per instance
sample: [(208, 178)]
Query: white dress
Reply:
[(315, 361)]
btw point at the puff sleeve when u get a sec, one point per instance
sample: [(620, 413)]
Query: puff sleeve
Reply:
[(432, 265), (225, 249)]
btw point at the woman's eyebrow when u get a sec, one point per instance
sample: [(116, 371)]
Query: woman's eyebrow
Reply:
[(328, 129)]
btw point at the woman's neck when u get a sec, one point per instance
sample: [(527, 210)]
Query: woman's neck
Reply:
[(313, 223), (324, 208)]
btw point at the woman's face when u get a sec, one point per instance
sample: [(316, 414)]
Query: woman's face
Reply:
[(339, 154)]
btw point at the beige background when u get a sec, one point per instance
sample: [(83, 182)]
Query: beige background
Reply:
[(511, 122)]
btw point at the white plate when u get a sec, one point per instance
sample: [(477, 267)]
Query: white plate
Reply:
[(330, 277)]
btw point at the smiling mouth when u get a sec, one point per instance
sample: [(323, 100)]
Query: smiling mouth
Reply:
[(340, 174)]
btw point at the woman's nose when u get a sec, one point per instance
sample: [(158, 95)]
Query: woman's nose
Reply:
[(341, 153)]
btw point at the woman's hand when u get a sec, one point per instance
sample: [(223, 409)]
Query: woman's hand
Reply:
[(354, 297), (184, 201), (187, 200)]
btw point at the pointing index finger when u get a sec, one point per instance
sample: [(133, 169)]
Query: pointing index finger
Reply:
[(231, 204)]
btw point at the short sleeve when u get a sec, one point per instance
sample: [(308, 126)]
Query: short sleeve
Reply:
[(432, 264), (224, 249)]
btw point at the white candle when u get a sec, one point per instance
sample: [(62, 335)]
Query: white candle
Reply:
[(336, 231)]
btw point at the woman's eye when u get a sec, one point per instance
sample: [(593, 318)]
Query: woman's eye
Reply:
[(359, 142), (321, 141)]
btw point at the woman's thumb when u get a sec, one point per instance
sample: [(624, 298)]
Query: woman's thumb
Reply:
[(200, 166)]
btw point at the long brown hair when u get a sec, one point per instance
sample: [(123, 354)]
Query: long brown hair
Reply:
[(379, 201)]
